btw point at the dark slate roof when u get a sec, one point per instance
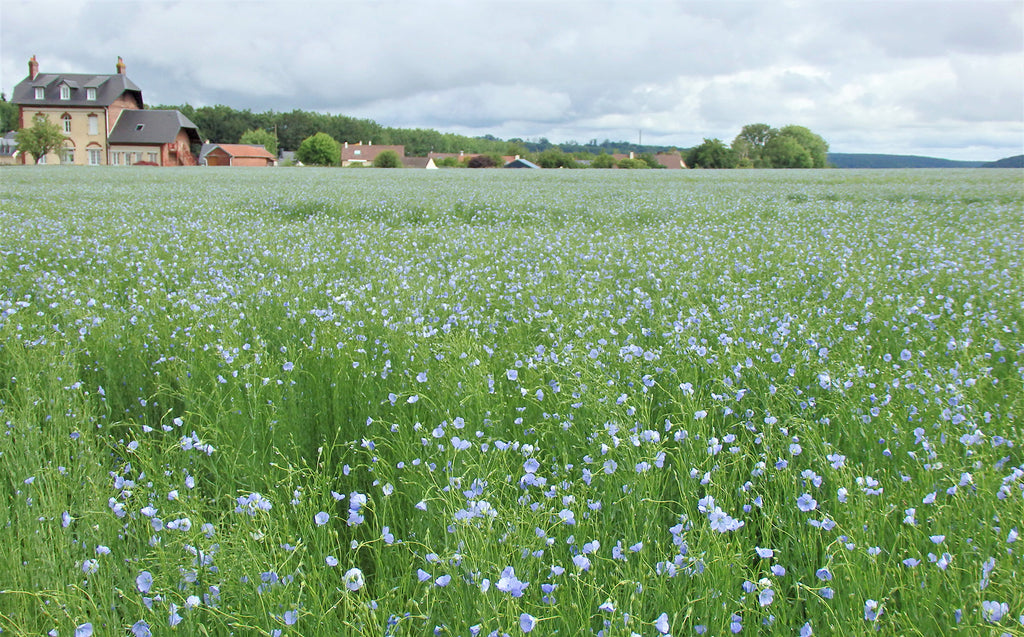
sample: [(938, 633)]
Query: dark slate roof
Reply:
[(150, 127), (8, 145), (108, 88), (521, 163), (205, 150)]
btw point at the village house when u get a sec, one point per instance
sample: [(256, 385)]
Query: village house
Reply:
[(103, 120), (673, 161), (360, 154), (9, 149)]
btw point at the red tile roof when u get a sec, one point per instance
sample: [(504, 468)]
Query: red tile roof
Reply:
[(246, 150), (367, 152)]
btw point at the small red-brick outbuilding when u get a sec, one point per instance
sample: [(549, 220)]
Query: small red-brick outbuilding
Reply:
[(237, 155)]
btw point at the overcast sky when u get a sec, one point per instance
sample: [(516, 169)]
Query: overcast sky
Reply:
[(940, 78)]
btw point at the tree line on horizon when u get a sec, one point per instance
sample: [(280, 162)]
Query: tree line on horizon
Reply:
[(756, 146)]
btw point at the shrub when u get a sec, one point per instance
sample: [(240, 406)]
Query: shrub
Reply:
[(319, 150), (387, 159), (482, 161)]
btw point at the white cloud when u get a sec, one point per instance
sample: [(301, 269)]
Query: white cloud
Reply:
[(860, 73)]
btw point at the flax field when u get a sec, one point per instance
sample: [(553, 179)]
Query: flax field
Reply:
[(473, 403)]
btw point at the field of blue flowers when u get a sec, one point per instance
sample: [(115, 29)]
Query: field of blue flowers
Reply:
[(323, 402)]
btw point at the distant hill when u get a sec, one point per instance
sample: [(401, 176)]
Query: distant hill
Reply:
[(1017, 161), (858, 160)]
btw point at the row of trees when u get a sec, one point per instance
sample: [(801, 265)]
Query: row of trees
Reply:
[(756, 146), (321, 149), (761, 146), (226, 125)]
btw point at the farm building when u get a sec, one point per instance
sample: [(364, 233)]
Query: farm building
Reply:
[(236, 155), (89, 107)]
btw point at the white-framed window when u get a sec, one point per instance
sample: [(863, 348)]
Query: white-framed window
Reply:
[(66, 120), (65, 92), (117, 158), (40, 93), (94, 125), (95, 157), (42, 161), (68, 155), (90, 94), (152, 158)]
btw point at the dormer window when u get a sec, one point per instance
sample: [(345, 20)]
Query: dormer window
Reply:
[(90, 94), (65, 92), (40, 93)]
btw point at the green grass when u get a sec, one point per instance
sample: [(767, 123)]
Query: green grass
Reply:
[(567, 374)]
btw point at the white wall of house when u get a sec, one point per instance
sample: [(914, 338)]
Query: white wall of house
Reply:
[(128, 155)]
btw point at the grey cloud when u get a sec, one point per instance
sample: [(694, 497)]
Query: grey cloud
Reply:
[(679, 70)]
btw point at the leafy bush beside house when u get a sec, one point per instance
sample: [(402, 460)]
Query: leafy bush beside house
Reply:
[(387, 159), (319, 150)]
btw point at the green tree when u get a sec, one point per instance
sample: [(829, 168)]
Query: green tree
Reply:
[(319, 150), (481, 161), (222, 124), (387, 159), (786, 152), (650, 160), (8, 115), (814, 144), (712, 153), (294, 127), (749, 145), (40, 139), (513, 148), (555, 158), (604, 160), (632, 164), (260, 137)]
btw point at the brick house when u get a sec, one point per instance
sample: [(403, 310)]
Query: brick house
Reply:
[(360, 154), (672, 161), (89, 109), (236, 155), (163, 138)]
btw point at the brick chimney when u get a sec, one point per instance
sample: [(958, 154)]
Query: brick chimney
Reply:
[(120, 66), (33, 68)]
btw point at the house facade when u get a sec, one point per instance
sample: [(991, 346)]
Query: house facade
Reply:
[(89, 110), (360, 154)]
